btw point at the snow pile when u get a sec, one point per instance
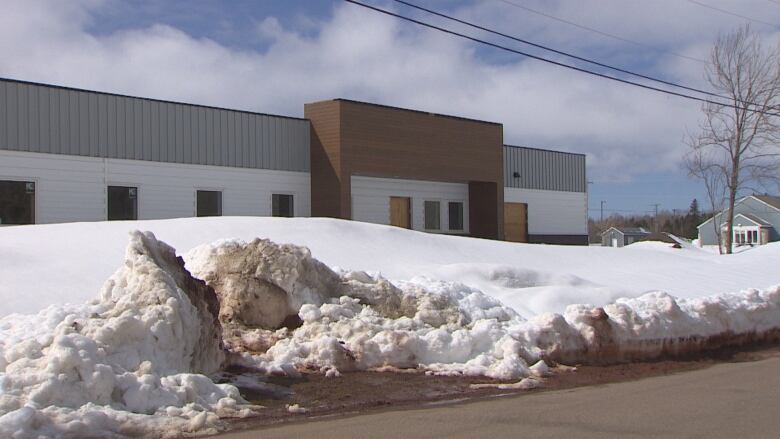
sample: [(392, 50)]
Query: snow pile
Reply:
[(261, 283), (356, 321), (660, 325), (109, 366), (134, 361), (532, 279), (351, 321)]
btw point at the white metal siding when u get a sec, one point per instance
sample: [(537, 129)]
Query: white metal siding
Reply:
[(71, 188), (552, 212), (371, 200)]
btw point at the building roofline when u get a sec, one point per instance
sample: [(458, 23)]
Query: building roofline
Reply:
[(543, 149), (189, 104), (753, 196), (373, 104), (630, 233), (764, 202), (615, 228), (755, 220)]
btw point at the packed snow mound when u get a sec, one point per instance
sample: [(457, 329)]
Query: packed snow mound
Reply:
[(351, 320), (78, 257), (441, 327), (262, 283), (102, 368)]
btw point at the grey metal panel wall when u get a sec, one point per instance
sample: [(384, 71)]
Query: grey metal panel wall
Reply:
[(544, 169), (56, 120)]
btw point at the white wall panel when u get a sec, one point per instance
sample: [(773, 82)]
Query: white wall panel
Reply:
[(552, 212), (73, 188), (371, 199)]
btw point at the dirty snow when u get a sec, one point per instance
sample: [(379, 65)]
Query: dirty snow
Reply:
[(136, 359), (131, 362)]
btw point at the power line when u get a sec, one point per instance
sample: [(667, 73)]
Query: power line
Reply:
[(621, 210), (723, 11), (560, 64), (600, 32), (559, 52)]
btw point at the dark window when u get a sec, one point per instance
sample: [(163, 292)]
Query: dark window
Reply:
[(432, 215), (122, 203), (209, 203), (17, 202), (282, 205), (456, 215)]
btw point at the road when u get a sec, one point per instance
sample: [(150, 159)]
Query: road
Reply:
[(728, 400)]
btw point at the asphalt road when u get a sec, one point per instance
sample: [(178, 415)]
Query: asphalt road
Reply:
[(729, 400)]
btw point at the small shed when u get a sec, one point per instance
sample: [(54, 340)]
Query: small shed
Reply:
[(622, 236)]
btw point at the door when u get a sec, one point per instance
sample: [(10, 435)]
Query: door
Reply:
[(400, 212), (614, 242), (516, 222)]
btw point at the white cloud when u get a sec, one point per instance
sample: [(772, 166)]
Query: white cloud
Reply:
[(362, 55)]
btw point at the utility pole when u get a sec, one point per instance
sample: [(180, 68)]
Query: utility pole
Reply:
[(602, 210), (655, 221)]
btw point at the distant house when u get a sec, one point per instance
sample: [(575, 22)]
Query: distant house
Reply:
[(756, 222), (621, 236)]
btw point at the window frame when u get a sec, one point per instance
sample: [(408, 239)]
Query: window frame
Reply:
[(210, 189), (137, 198), (292, 205), (462, 228), (425, 215), (36, 203)]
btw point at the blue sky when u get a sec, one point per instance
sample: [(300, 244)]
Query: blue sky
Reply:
[(273, 56)]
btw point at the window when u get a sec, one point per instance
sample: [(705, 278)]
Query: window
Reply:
[(432, 215), (282, 205), (209, 203), (17, 202), (456, 215), (122, 203)]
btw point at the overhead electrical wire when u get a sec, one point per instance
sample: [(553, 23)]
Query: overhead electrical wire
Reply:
[(560, 64), (559, 52), (597, 31), (723, 11)]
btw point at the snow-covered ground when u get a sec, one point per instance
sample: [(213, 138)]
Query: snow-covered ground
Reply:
[(68, 263), (131, 352)]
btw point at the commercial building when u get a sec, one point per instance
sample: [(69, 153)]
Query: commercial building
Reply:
[(77, 155)]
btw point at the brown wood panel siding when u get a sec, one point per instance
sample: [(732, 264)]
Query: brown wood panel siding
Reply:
[(325, 152), (354, 138)]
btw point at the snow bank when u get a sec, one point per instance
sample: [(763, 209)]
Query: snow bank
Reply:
[(134, 361), (357, 321), (659, 325), (109, 366), (78, 257)]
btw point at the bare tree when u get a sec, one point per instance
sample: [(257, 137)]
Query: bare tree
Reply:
[(703, 166), (737, 147)]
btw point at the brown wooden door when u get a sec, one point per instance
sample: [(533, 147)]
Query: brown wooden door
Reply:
[(516, 222), (400, 212)]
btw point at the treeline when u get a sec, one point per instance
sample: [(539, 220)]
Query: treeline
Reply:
[(677, 222)]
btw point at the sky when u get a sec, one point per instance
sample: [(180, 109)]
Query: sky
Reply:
[(273, 56)]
